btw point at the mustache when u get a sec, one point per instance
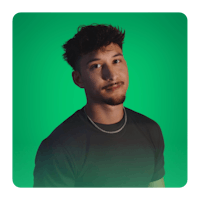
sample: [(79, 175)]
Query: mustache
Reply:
[(110, 85)]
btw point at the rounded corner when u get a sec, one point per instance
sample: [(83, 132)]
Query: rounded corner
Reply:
[(184, 184), (15, 184), (16, 14), (185, 16)]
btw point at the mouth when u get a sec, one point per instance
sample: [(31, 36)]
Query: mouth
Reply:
[(113, 86)]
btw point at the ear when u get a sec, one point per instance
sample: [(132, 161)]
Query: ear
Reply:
[(77, 79)]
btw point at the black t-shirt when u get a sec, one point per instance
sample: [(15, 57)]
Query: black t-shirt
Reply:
[(77, 154)]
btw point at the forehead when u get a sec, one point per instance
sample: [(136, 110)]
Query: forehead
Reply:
[(103, 52)]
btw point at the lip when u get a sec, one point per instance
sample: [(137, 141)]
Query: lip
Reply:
[(113, 87)]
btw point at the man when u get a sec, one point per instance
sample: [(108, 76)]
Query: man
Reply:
[(103, 144)]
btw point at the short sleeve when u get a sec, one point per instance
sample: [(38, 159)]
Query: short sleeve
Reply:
[(159, 170), (53, 167)]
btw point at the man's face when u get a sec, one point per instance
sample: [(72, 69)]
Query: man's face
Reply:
[(104, 75)]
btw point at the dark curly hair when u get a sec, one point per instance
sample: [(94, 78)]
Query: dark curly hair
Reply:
[(90, 38)]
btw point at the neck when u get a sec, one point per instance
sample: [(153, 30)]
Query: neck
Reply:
[(104, 114)]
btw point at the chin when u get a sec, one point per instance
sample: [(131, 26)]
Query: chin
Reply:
[(115, 101)]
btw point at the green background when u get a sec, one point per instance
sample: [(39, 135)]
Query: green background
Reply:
[(44, 95)]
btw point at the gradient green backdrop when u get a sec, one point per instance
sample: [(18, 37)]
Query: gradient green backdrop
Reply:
[(44, 94)]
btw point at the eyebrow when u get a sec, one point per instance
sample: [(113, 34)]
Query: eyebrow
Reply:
[(95, 59)]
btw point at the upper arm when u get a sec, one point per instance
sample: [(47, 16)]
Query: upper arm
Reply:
[(157, 183), (52, 169), (159, 171)]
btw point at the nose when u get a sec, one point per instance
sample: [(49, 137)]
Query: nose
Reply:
[(109, 72)]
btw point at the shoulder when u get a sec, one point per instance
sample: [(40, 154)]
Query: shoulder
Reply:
[(66, 135), (140, 118), (147, 126)]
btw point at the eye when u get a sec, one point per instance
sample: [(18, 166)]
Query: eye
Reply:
[(96, 66), (116, 61)]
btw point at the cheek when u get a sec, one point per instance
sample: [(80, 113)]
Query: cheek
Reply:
[(126, 77), (124, 74), (91, 84)]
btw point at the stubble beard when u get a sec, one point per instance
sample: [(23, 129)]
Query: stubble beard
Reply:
[(115, 100)]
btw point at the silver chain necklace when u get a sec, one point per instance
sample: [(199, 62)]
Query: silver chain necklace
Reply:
[(108, 131)]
